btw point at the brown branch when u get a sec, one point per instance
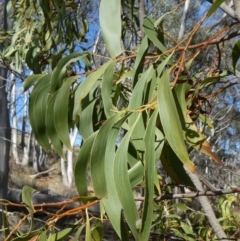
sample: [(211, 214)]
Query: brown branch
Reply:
[(214, 41)]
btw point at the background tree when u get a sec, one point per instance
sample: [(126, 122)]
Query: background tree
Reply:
[(4, 115)]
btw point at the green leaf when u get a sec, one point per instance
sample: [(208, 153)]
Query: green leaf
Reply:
[(174, 166), (86, 122), (50, 127), (98, 156), (43, 236), (27, 193), (149, 30), (107, 84), (61, 234), (138, 65), (111, 25), (88, 228), (84, 88), (37, 111), (149, 164), (97, 231), (80, 169), (135, 102), (78, 233), (180, 206), (122, 183), (235, 54), (186, 228), (112, 204), (214, 7), (5, 222), (61, 112), (136, 174), (59, 72), (30, 80), (32, 60), (170, 121)]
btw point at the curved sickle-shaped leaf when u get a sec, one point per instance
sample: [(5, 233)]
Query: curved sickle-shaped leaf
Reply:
[(107, 84), (61, 112), (112, 204), (50, 126), (149, 164), (149, 30), (60, 70), (37, 111), (136, 101), (86, 123), (111, 25), (98, 156), (122, 183), (138, 66), (170, 121), (30, 80), (80, 170)]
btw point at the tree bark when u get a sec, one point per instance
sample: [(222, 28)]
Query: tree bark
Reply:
[(237, 9), (183, 21), (14, 122), (5, 132), (142, 15)]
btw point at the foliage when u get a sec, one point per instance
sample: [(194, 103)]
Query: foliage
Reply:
[(43, 31), (161, 104)]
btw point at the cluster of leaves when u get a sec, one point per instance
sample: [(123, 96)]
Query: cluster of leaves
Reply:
[(162, 102), (43, 31)]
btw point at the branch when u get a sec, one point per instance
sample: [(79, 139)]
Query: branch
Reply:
[(206, 206), (40, 173), (197, 194)]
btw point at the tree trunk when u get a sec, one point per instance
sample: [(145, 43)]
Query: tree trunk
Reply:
[(24, 120), (142, 15), (14, 138), (26, 150), (237, 9), (5, 132), (67, 166), (183, 21), (40, 157)]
